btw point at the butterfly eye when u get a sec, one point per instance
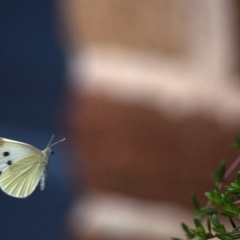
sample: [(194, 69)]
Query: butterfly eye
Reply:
[(52, 152)]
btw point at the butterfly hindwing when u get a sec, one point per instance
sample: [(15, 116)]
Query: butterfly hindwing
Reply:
[(12, 151), (20, 179)]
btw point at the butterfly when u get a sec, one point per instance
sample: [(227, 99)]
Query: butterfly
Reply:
[(22, 167)]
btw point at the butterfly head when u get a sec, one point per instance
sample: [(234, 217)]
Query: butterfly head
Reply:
[(47, 151)]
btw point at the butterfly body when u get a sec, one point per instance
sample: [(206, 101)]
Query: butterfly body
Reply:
[(22, 167)]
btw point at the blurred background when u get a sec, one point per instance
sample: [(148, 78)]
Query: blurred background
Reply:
[(155, 97), (151, 106)]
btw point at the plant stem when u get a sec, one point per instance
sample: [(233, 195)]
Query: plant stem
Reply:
[(232, 167)]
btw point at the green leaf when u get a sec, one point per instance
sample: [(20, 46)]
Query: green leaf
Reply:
[(197, 222), (215, 196), (228, 199), (234, 187), (199, 231), (229, 211), (188, 232), (238, 178), (228, 214), (238, 211), (226, 238), (235, 184), (215, 220), (234, 235), (236, 143), (205, 211), (195, 201), (218, 227), (198, 238), (219, 174)]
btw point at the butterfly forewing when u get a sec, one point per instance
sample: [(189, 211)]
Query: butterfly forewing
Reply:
[(20, 179), (12, 151)]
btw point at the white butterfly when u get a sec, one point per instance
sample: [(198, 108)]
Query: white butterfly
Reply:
[(22, 167)]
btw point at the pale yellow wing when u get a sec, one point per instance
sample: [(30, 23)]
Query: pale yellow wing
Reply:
[(12, 151), (20, 179)]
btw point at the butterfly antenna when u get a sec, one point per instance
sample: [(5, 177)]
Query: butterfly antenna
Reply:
[(50, 141), (57, 142)]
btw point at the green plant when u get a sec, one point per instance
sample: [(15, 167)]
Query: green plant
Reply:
[(223, 201)]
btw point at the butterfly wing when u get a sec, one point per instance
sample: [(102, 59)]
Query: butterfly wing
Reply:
[(12, 151), (20, 179)]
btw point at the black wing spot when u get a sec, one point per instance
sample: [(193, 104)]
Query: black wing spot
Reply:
[(9, 162), (52, 152), (5, 154), (0, 172)]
